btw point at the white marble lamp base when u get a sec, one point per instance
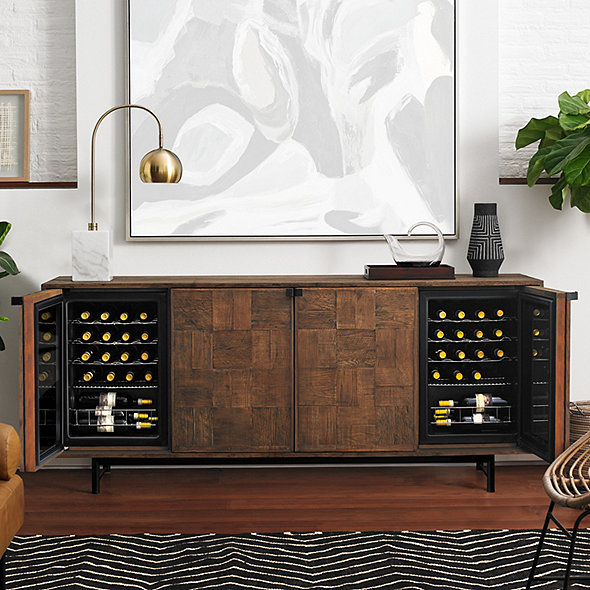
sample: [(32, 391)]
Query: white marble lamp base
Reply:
[(91, 256)]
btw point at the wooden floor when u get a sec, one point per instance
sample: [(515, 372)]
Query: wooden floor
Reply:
[(232, 500)]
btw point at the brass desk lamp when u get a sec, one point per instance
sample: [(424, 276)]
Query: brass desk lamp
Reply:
[(91, 249)]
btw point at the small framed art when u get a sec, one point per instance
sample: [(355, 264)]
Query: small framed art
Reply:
[(14, 135)]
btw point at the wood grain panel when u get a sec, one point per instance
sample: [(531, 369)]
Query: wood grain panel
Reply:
[(356, 367), (232, 382)]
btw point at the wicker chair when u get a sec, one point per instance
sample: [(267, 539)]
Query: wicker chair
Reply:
[(567, 483)]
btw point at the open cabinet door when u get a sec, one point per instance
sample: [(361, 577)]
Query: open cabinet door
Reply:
[(544, 348), (42, 376)]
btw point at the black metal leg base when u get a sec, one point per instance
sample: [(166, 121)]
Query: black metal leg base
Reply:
[(487, 465), (99, 468)]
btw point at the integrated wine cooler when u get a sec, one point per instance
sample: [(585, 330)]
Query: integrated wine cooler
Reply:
[(487, 370), (101, 370)]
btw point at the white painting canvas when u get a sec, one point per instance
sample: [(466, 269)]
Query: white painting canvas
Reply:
[(294, 118)]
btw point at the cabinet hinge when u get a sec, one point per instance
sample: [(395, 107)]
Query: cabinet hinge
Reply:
[(294, 292)]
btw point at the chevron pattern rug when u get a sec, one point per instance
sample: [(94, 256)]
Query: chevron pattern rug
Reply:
[(453, 560)]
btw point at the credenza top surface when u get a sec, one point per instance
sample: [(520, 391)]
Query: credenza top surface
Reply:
[(253, 281)]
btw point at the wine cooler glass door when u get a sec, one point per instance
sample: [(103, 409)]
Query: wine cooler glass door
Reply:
[(543, 369), (42, 319)]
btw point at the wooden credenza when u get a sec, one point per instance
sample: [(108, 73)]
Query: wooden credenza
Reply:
[(288, 367)]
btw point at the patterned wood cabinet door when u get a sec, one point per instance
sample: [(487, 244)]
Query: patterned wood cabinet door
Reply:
[(356, 369), (231, 370)]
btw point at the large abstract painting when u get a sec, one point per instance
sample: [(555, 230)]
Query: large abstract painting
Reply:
[(294, 118)]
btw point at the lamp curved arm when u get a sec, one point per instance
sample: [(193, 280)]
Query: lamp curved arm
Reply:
[(93, 225)]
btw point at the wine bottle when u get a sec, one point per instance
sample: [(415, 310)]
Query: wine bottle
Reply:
[(536, 352), (537, 313), (498, 353), (105, 316), (106, 337), (125, 356), (111, 376), (144, 417), (148, 376), (478, 334), (143, 316), (87, 336), (86, 355), (145, 337), (460, 314), (46, 357), (129, 376), (459, 334), (485, 400), (459, 354), (105, 357), (443, 422), (46, 316), (448, 403), (45, 375), (85, 315), (458, 375), (476, 375), (480, 418), (110, 399), (438, 334), (92, 421), (88, 376), (124, 316), (440, 314), (442, 412), (144, 425), (479, 354), (125, 336), (48, 336), (435, 374), (497, 333), (144, 355), (499, 313), (440, 354), (480, 314)]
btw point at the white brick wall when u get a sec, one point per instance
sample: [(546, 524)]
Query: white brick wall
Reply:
[(38, 52), (543, 47)]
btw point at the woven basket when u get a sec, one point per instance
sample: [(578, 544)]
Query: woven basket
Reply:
[(579, 419)]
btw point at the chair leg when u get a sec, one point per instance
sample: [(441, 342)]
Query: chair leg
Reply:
[(570, 557), (540, 545), (3, 571)]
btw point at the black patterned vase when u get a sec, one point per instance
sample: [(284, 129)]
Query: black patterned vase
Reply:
[(485, 253)]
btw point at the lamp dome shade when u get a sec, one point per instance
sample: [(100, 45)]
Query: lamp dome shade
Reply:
[(160, 165)]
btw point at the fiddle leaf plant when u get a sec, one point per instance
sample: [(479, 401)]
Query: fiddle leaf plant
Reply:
[(564, 150), (7, 265)]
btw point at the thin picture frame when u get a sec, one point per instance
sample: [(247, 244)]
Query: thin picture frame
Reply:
[(193, 218), (14, 135)]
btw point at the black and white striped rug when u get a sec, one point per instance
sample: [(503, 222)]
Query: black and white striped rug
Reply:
[(461, 560)]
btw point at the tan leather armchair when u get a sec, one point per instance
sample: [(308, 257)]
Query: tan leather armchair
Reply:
[(12, 491)]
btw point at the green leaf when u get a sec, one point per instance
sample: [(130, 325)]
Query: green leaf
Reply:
[(558, 193), (4, 229), (572, 122), (8, 264), (552, 135), (564, 150), (577, 172), (537, 165), (572, 105), (580, 198), (584, 95), (3, 319), (537, 129)]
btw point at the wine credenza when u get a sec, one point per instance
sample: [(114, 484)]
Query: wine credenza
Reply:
[(293, 368)]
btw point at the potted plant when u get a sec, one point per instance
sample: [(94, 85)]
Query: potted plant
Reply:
[(564, 150), (7, 264)]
